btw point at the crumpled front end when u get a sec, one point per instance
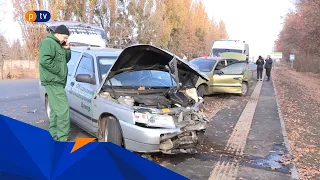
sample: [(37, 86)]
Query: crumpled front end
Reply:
[(190, 123), (192, 126)]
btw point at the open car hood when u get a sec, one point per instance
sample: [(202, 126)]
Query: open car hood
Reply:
[(148, 57), (81, 34), (233, 55)]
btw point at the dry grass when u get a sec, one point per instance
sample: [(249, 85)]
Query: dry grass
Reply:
[(299, 100), (19, 73)]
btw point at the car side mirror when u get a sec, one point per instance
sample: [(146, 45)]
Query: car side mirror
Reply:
[(86, 78)]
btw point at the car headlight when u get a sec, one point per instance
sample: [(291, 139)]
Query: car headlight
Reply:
[(154, 120)]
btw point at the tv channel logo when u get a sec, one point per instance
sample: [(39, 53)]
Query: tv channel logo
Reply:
[(37, 16)]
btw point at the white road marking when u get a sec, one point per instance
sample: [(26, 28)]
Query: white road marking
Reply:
[(238, 139)]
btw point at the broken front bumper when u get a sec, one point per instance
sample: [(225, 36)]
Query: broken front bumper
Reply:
[(185, 141), (181, 139)]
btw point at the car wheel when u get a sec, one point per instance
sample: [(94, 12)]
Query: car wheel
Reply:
[(201, 90), (110, 131), (47, 107), (244, 89), (201, 136)]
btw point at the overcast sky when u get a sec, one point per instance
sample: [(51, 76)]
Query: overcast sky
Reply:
[(257, 22)]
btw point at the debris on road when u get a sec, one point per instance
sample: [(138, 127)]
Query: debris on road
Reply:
[(33, 111), (41, 121)]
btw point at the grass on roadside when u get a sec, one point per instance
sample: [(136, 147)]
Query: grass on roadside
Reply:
[(18, 73)]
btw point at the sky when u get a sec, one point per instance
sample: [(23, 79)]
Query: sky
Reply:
[(258, 22), (8, 27)]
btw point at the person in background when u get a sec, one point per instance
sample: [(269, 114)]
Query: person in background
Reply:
[(268, 66), (259, 64), (54, 55)]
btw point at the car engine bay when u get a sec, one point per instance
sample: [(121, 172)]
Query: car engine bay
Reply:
[(182, 112)]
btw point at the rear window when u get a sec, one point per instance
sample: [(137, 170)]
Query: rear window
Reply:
[(204, 65), (72, 63)]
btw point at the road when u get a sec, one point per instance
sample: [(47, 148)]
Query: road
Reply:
[(20, 100), (243, 141)]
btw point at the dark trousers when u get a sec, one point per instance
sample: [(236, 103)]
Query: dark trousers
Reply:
[(268, 72), (259, 73)]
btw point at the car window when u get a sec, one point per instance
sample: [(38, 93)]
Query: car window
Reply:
[(85, 66), (105, 64), (220, 65), (146, 78), (235, 68), (204, 65), (73, 60), (230, 61)]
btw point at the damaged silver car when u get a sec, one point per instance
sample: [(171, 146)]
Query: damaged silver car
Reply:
[(145, 102)]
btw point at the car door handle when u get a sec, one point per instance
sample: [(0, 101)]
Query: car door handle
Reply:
[(72, 83), (236, 78)]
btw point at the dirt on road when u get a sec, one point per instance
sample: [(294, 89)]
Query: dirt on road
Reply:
[(299, 100)]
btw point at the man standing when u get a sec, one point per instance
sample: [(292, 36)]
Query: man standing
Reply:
[(268, 67), (53, 58), (259, 64)]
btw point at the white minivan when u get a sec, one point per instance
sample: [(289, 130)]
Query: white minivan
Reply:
[(237, 46)]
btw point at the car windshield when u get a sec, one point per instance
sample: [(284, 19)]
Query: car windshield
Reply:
[(216, 52), (204, 65), (145, 78), (105, 64)]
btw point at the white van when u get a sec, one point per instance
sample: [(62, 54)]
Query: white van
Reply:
[(237, 46), (81, 34)]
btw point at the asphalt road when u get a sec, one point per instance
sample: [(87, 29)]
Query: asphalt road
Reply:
[(19, 99), (263, 147)]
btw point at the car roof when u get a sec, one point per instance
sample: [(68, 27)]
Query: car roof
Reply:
[(98, 51)]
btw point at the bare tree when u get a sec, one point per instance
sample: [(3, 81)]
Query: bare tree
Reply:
[(4, 54)]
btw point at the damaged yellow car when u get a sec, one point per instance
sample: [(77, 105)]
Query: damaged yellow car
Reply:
[(228, 73)]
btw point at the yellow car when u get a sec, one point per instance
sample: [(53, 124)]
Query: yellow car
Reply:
[(228, 73)]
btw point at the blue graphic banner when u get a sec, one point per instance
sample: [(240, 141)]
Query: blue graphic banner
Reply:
[(28, 152)]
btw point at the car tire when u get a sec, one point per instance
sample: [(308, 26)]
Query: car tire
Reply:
[(47, 107), (201, 137), (201, 90), (244, 89), (111, 131)]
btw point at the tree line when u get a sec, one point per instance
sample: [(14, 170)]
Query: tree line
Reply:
[(301, 36), (180, 26)]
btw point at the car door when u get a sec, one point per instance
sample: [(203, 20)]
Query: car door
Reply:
[(82, 92), (75, 57), (219, 65), (229, 79)]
